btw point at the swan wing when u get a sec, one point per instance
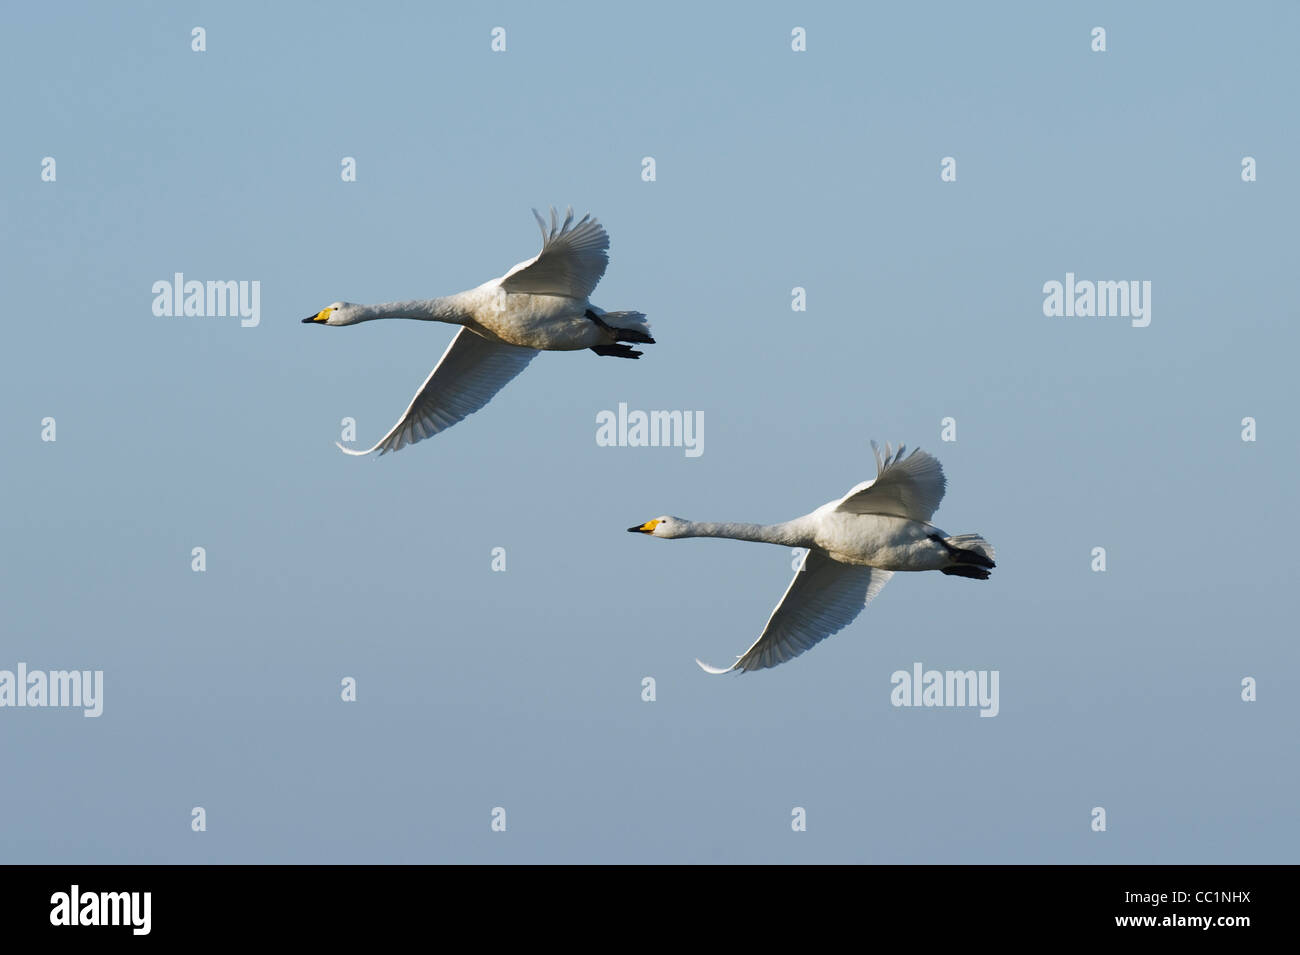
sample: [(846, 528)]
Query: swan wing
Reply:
[(572, 260), (824, 598), (910, 487), (471, 371)]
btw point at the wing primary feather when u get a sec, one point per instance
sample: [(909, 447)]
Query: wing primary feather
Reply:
[(907, 484), (572, 261), (707, 668), (469, 374), (822, 599)]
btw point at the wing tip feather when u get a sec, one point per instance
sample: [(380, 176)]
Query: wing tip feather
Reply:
[(353, 451), (708, 668)]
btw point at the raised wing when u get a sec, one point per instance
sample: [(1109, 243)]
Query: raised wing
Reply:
[(909, 487), (572, 260), (471, 371), (823, 599)]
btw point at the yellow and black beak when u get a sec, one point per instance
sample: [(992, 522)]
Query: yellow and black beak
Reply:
[(321, 316), (647, 528)]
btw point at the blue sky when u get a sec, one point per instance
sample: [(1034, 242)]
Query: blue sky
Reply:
[(774, 169)]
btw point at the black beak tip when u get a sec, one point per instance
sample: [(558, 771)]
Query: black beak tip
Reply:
[(309, 319), (633, 530)]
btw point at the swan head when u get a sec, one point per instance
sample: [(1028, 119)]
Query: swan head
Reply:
[(661, 527), (340, 313)]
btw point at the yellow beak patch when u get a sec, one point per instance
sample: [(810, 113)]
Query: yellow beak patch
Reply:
[(649, 526), (323, 315)]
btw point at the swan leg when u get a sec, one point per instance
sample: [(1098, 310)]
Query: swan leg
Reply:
[(621, 334), (966, 570), (616, 351), (963, 556)]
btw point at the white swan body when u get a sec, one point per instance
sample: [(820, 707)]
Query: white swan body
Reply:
[(855, 544), (541, 304)]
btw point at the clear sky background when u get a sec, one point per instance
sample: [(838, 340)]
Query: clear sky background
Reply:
[(522, 689)]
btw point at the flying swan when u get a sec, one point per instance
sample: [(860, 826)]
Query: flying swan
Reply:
[(854, 546), (539, 305)]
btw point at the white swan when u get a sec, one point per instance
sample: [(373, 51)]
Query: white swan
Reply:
[(539, 305), (855, 544)]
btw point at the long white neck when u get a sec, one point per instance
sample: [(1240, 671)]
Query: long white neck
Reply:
[(790, 533), (448, 309)]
